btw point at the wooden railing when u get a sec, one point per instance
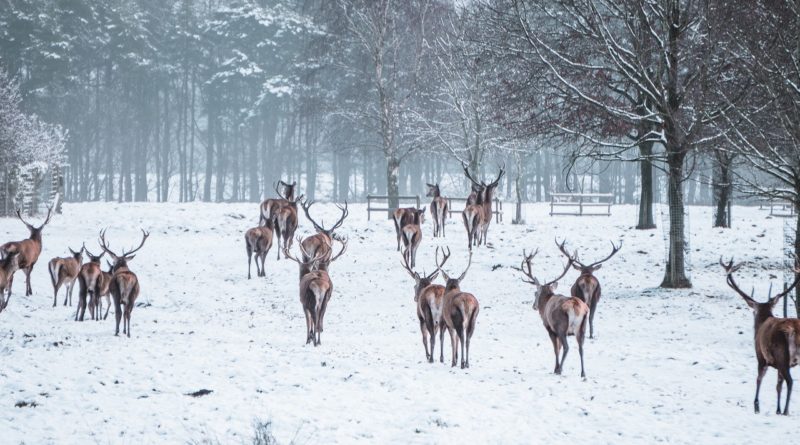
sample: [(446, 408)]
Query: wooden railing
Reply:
[(384, 199), (581, 202)]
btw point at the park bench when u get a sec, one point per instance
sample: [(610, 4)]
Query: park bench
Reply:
[(579, 204)]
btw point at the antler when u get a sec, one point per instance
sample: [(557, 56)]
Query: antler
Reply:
[(614, 250), (500, 175), (445, 257), (469, 263), (526, 261), (469, 176), (344, 247), (729, 270), (345, 212), (307, 205), (564, 251), (566, 269), (104, 245), (145, 235), (275, 186), (796, 271), (404, 263)]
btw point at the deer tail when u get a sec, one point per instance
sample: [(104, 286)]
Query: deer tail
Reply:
[(55, 268)]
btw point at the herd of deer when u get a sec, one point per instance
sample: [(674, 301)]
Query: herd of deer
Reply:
[(95, 284), (439, 308)]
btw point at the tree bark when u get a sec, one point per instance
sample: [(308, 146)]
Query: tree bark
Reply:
[(646, 221), (392, 186), (675, 274), (722, 190)]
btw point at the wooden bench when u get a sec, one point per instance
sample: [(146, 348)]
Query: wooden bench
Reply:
[(777, 207), (384, 199), (497, 211), (581, 202)]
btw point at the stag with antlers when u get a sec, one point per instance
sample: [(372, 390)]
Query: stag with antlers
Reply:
[(587, 286), (429, 298), (270, 207), (64, 271), (90, 281), (439, 209), (124, 284), (316, 289), (562, 316), (28, 251), (478, 216), (460, 314), (777, 339), (258, 241), (321, 242)]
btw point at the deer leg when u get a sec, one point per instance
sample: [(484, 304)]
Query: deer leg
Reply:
[(117, 312), (441, 343), (789, 381), (565, 346), (55, 294), (556, 348), (431, 336), (28, 290), (70, 286), (424, 330), (779, 388), (108, 307), (278, 238), (397, 232), (249, 258), (128, 310), (453, 346), (762, 369), (580, 337), (309, 329)]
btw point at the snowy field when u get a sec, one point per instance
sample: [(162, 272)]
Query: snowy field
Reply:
[(665, 366)]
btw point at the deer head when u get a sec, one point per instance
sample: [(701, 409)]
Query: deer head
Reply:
[(590, 268), (423, 281), (481, 188), (433, 190), (453, 283), (288, 190), (121, 261), (92, 257), (36, 232), (320, 226), (542, 290), (761, 311)]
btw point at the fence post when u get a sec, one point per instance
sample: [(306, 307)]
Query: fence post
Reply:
[(417, 201), (369, 212)]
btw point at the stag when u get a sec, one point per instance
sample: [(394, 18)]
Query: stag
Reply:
[(89, 284), (321, 242), (562, 316), (124, 284), (402, 217), (270, 207), (777, 340), (460, 314), (258, 241), (285, 223), (429, 298), (8, 266), (64, 271), (587, 286), (316, 288), (439, 209), (478, 216), (28, 250)]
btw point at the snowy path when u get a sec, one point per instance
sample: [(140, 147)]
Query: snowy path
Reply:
[(674, 367)]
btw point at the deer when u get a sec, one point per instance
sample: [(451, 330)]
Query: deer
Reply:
[(429, 299), (64, 271), (403, 216), (322, 241), (562, 316), (104, 292), (258, 240), (124, 284), (478, 216), (411, 234), (28, 249), (460, 314), (316, 289), (439, 209), (777, 340), (587, 286), (270, 207), (285, 223), (90, 278), (8, 266)]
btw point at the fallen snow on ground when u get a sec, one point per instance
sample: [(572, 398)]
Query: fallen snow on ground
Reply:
[(665, 366)]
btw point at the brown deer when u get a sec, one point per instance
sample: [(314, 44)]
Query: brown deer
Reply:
[(316, 288), (258, 241), (124, 284), (89, 283), (777, 339), (269, 207), (29, 251), (587, 286), (404, 216), (64, 271), (439, 209), (562, 316), (429, 298), (460, 314), (104, 292), (322, 241), (411, 234), (478, 216), (8, 266), (285, 223)]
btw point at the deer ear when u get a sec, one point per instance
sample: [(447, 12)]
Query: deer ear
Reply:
[(576, 267), (130, 257), (554, 286), (597, 267)]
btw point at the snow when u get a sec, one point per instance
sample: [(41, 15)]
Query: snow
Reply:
[(665, 366)]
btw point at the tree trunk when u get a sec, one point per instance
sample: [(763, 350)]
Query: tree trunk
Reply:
[(675, 275), (646, 221), (392, 186), (209, 152), (722, 191)]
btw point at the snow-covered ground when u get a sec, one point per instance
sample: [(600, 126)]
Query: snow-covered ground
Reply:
[(666, 366)]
